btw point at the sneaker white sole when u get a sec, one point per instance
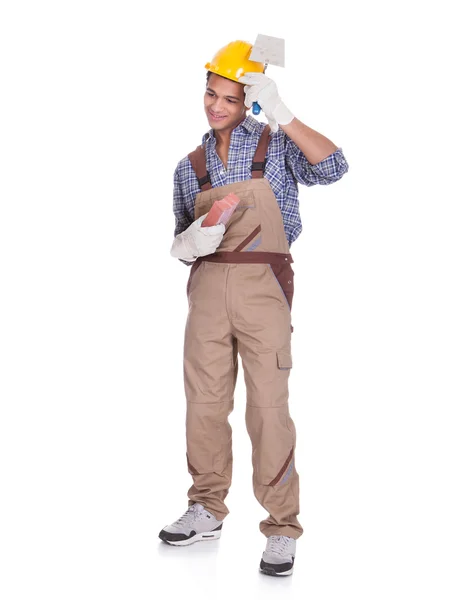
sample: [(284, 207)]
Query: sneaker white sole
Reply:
[(273, 569), (273, 573), (199, 537)]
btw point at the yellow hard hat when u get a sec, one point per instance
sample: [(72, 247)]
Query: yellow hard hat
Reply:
[(232, 61)]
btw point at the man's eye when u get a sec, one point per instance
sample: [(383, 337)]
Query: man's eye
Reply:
[(210, 94), (231, 101)]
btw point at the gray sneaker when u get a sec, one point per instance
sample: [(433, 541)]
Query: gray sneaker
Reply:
[(279, 556), (195, 525)]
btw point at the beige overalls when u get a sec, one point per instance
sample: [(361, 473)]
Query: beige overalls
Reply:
[(239, 302)]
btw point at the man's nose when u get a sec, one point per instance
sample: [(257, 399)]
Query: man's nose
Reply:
[(218, 104)]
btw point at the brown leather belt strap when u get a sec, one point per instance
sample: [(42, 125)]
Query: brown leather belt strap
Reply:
[(275, 258), (199, 164), (258, 162)]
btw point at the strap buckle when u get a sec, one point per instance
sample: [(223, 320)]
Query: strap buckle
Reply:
[(258, 166), (203, 180)]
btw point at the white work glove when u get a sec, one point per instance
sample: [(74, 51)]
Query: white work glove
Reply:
[(260, 88), (197, 241)]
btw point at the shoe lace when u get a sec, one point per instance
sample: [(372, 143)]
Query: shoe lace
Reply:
[(192, 514), (278, 544)]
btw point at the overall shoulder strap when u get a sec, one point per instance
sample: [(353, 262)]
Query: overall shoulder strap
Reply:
[(199, 164), (258, 162)]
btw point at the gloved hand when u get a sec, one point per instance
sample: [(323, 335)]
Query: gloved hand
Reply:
[(260, 88), (197, 241)]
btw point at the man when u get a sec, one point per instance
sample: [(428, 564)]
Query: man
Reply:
[(240, 294)]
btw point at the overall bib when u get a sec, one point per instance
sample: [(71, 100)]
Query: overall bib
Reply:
[(240, 302)]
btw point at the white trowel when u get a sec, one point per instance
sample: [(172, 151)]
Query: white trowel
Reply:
[(268, 50)]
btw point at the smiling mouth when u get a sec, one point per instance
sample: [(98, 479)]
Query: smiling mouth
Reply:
[(216, 117)]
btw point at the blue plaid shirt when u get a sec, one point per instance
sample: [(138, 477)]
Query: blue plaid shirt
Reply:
[(286, 166)]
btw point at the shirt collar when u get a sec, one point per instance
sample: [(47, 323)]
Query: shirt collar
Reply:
[(248, 125)]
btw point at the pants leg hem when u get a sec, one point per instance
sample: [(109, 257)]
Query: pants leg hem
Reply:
[(287, 530)]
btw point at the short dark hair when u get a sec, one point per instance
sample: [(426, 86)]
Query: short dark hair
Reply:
[(209, 73)]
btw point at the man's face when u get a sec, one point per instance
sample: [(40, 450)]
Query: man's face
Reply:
[(224, 103)]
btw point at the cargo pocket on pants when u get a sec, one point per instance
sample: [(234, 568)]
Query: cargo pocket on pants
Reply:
[(284, 360)]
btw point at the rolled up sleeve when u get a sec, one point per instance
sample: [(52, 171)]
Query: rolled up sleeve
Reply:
[(182, 219), (327, 171)]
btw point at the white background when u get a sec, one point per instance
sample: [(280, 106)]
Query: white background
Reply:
[(99, 101)]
